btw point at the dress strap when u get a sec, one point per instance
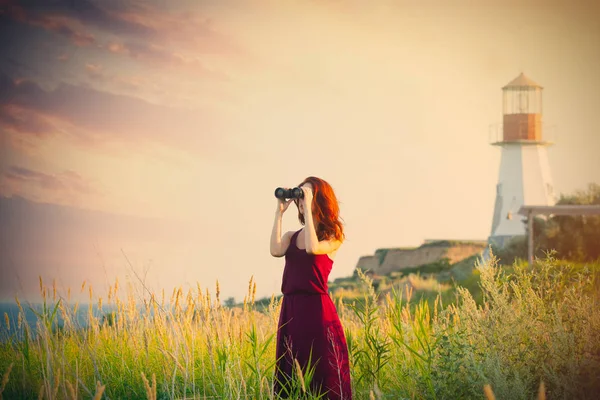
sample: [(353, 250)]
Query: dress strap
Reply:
[(294, 237)]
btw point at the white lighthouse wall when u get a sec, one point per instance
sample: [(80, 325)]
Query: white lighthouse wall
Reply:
[(537, 178), (524, 179), (509, 193)]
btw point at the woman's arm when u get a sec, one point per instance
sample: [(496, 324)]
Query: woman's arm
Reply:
[(311, 240), (279, 244)]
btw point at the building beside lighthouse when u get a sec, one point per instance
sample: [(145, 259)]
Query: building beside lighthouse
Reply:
[(524, 177)]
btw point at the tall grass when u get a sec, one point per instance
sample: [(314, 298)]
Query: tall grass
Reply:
[(535, 334)]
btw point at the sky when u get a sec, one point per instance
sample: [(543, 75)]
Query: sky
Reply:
[(143, 140)]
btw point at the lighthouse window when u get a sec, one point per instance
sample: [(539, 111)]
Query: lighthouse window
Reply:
[(523, 101)]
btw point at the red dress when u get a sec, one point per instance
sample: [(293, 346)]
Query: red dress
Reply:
[(309, 319)]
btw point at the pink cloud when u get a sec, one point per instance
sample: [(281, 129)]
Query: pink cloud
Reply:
[(191, 29), (19, 120), (147, 34), (86, 12), (23, 129), (132, 83), (58, 24), (129, 21), (94, 118), (159, 55), (95, 71), (67, 187)]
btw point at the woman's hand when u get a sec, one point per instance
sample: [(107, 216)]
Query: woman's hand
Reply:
[(308, 196), (283, 204)]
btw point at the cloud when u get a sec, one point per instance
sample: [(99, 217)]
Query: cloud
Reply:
[(190, 29), (154, 37), (125, 19), (59, 24), (94, 117), (159, 55), (67, 186), (144, 33), (95, 71), (84, 11), (132, 83), (20, 121), (98, 73)]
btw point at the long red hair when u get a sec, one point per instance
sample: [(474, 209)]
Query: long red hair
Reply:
[(326, 211)]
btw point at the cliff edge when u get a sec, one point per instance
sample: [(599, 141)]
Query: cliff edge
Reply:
[(385, 261)]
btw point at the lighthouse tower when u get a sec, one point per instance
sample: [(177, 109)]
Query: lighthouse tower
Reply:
[(524, 177)]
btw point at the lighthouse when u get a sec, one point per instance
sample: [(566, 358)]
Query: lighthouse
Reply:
[(524, 177)]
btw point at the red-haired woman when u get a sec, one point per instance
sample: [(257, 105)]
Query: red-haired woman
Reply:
[(309, 326)]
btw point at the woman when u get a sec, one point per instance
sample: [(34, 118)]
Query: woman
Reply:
[(309, 327)]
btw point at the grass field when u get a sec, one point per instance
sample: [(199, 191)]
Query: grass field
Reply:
[(530, 332)]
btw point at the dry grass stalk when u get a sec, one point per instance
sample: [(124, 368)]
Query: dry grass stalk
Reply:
[(99, 391), (378, 391), (150, 390), (542, 391), (300, 375), (71, 390), (5, 379), (56, 384), (489, 394)]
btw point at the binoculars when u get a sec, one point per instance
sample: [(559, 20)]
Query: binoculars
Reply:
[(294, 193)]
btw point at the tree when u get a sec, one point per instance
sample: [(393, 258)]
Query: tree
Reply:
[(230, 302), (575, 238)]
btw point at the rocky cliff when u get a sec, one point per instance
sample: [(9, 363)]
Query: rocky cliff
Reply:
[(385, 261)]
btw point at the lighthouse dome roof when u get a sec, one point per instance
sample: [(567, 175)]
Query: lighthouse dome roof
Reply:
[(522, 81)]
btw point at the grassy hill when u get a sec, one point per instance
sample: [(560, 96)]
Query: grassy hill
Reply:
[(415, 283), (422, 282)]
